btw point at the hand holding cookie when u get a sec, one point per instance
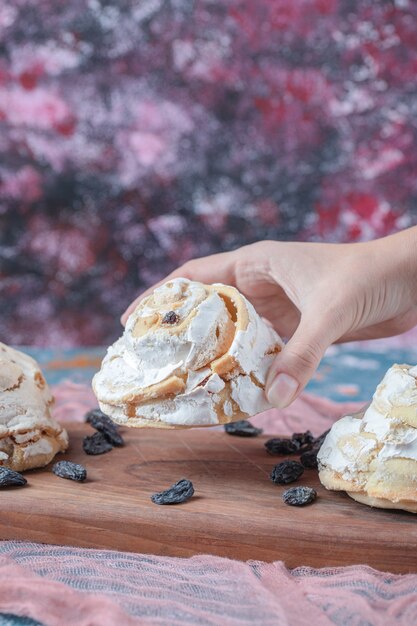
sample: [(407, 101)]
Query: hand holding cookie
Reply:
[(317, 294)]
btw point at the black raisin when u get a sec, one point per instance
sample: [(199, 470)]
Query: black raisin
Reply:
[(303, 440), (281, 446), (101, 422), (299, 496), (10, 478), (243, 428), (72, 471), (96, 444), (97, 414), (286, 472), (170, 318), (309, 459), (182, 491)]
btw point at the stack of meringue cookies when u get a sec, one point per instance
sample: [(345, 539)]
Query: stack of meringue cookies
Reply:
[(198, 355)]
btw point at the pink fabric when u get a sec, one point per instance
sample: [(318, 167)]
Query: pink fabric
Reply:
[(26, 594), (73, 400), (308, 412), (97, 587)]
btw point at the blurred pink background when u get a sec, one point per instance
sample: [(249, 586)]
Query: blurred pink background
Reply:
[(134, 136)]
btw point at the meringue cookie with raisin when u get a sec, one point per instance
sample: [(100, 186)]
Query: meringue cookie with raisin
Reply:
[(191, 355)]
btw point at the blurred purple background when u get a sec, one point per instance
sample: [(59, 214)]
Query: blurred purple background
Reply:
[(136, 135)]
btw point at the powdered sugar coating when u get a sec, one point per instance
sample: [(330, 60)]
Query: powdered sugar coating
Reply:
[(26, 425), (150, 352), (378, 434)]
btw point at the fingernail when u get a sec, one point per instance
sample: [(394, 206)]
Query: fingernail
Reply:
[(282, 391)]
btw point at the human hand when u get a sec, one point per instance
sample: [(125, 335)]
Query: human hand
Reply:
[(317, 294)]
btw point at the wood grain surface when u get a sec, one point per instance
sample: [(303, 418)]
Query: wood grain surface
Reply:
[(236, 512)]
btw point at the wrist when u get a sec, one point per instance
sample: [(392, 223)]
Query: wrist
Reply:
[(398, 257), (410, 251)]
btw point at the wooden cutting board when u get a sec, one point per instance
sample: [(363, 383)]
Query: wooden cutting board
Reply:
[(236, 512)]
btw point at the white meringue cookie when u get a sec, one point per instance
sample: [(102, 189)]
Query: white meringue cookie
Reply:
[(29, 436), (375, 453), (208, 366)]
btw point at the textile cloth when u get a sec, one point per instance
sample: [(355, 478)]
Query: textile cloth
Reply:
[(62, 586)]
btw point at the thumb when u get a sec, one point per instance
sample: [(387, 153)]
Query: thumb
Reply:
[(297, 362)]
